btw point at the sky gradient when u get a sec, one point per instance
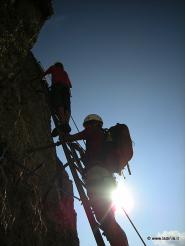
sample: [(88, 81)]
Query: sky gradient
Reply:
[(126, 61)]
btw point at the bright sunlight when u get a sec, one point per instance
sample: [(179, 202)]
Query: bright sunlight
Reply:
[(122, 198)]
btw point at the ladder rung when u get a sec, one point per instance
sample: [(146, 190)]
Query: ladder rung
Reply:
[(83, 184), (66, 165)]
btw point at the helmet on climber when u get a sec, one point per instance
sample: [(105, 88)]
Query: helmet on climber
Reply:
[(91, 119)]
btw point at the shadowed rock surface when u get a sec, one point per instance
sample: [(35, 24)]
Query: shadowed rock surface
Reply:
[(34, 209)]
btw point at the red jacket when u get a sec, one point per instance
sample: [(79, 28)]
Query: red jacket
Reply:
[(59, 76), (94, 140)]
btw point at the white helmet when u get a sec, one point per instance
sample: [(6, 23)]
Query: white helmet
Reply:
[(92, 117)]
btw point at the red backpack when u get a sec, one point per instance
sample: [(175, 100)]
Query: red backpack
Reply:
[(117, 147)]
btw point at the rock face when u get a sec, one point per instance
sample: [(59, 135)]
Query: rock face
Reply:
[(20, 23), (34, 209)]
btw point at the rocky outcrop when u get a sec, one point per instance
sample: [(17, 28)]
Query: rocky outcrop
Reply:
[(21, 21), (36, 207)]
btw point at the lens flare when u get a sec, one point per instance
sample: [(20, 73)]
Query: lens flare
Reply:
[(122, 198)]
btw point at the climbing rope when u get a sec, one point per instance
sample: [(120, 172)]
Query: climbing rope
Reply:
[(75, 123), (76, 128), (134, 227)]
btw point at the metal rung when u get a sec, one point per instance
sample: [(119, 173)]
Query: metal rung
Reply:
[(83, 184), (66, 165)]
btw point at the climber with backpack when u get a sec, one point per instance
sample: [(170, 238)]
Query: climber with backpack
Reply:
[(107, 152), (60, 96)]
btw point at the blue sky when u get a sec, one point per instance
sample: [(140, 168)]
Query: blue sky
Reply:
[(126, 62)]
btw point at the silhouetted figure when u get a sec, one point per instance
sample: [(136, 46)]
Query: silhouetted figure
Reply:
[(99, 179), (60, 96)]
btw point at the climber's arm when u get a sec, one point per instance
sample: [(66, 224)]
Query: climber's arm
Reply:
[(74, 137)]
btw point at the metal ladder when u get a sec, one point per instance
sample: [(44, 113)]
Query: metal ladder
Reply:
[(76, 167)]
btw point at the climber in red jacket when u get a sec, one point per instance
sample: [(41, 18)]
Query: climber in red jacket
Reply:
[(60, 96), (99, 179)]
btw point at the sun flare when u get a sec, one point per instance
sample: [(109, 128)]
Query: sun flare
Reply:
[(122, 198)]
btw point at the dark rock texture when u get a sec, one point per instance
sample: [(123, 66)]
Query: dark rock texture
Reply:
[(20, 22), (34, 209)]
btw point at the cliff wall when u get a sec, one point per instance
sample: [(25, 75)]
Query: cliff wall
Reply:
[(34, 206)]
